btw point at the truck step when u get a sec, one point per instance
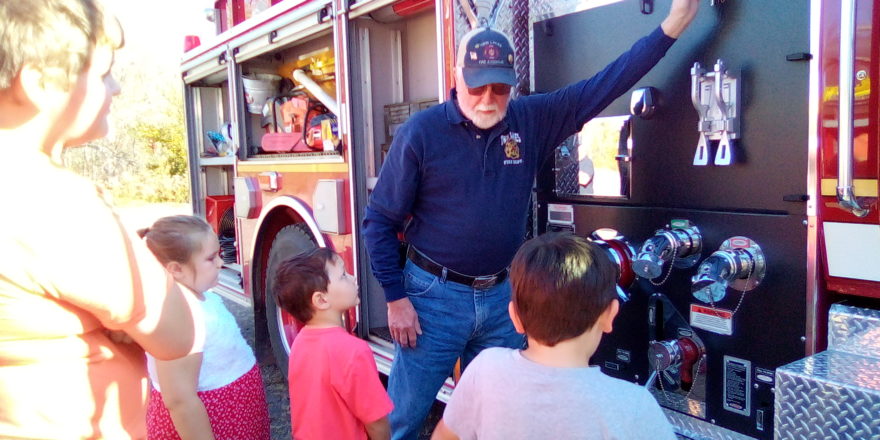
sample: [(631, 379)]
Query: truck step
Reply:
[(834, 394)]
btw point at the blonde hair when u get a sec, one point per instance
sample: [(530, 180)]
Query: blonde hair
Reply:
[(54, 36), (175, 238)]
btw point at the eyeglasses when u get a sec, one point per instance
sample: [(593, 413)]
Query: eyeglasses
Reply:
[(497, 88)]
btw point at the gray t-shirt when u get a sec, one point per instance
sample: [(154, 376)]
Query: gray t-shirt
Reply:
[(503, 395)]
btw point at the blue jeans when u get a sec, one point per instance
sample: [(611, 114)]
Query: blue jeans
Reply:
[(457, 321)]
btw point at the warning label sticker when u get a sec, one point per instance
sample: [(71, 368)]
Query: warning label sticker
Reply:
[(712, 319), (737, 385)]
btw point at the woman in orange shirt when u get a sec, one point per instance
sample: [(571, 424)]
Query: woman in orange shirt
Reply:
[(71, 279)]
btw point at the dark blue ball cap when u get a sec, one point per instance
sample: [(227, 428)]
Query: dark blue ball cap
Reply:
[(486, 57)]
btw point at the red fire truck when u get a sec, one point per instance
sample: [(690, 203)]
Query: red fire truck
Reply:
[(735, 186)]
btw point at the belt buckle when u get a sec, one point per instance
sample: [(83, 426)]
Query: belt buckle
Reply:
[(484, 282)]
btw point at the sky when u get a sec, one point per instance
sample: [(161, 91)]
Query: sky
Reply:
[(155, 30)]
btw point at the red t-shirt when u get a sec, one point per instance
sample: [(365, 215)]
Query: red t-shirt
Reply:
[(334, 386)]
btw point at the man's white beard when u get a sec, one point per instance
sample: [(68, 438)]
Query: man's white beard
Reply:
[(482, 121)]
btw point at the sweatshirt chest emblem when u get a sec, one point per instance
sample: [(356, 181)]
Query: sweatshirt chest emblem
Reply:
[(511, 143)]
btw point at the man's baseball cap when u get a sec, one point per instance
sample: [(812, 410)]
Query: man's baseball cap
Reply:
[(486, 57)]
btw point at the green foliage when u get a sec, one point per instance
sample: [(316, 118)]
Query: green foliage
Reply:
[(144, 158), (166, 139)]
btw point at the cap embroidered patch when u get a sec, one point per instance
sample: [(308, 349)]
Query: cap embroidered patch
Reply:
[(486, 57)]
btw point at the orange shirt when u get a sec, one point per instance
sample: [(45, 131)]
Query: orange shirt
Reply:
[(334, 386), (68, 273)]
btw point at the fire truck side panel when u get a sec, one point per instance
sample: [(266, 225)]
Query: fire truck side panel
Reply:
[(767, 326), (770, 158), (865, 106), (300, 185), (849, 243), (760, 195)]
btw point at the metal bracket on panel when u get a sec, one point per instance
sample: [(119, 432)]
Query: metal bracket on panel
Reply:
[(269, 181), (329, 207), (716, 97), (325, 13), (643, 102), (248, 202)]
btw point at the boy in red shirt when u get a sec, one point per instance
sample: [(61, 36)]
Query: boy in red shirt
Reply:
[(335, 392)]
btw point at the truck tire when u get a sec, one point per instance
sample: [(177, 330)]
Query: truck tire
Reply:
[(290, 241)]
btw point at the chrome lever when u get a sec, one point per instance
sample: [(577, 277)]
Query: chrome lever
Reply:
[(701, 157), (723, 156)]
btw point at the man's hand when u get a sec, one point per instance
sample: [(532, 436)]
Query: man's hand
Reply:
[(680, 16), (403, 321)]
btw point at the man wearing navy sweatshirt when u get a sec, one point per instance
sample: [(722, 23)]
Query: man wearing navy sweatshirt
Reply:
[(457, 181)]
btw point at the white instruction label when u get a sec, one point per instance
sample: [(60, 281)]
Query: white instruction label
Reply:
[(711, 319)]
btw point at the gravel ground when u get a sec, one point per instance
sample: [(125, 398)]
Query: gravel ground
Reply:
[(273, 379)]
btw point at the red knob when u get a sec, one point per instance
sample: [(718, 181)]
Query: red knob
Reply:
[(690, 354)]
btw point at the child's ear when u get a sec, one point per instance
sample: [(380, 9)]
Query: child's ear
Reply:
[(175, 269), (607, 316), (319, 300), (514, 316), (36, 88)]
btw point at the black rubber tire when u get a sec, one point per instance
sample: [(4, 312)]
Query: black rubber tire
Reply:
[(290, 241)]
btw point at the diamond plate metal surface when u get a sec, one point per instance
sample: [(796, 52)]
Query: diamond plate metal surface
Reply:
[(566, 167), (516, 19), (696, 429), (854, 330), (830, 395), (679, 403)]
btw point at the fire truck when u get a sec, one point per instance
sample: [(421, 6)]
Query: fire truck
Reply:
[(735, 186)]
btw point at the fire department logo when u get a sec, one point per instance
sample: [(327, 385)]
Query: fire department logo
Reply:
[(511, 148), (491, 52)]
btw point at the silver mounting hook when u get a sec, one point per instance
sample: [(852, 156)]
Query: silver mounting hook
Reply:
[(715, 96)]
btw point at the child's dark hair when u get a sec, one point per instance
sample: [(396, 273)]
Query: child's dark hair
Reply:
[(175, 238), (561, 285), (298, 277)]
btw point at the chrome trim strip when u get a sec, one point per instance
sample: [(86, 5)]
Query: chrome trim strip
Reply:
[(307, 160), (696, 429), (341, 41), (442, 86), (813, 100), (845, 194), (233, 295)]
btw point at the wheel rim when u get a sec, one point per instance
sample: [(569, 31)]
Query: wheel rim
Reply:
[(289, 328)]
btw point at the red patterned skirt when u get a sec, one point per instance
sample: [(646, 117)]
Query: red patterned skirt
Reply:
[(237, 411)]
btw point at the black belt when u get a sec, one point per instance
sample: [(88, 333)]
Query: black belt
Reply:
[(480, 282)]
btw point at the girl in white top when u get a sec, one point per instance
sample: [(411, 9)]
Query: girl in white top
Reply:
[(216, 394)]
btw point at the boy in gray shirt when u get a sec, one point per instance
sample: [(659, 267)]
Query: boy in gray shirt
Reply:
[(563, 299)]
